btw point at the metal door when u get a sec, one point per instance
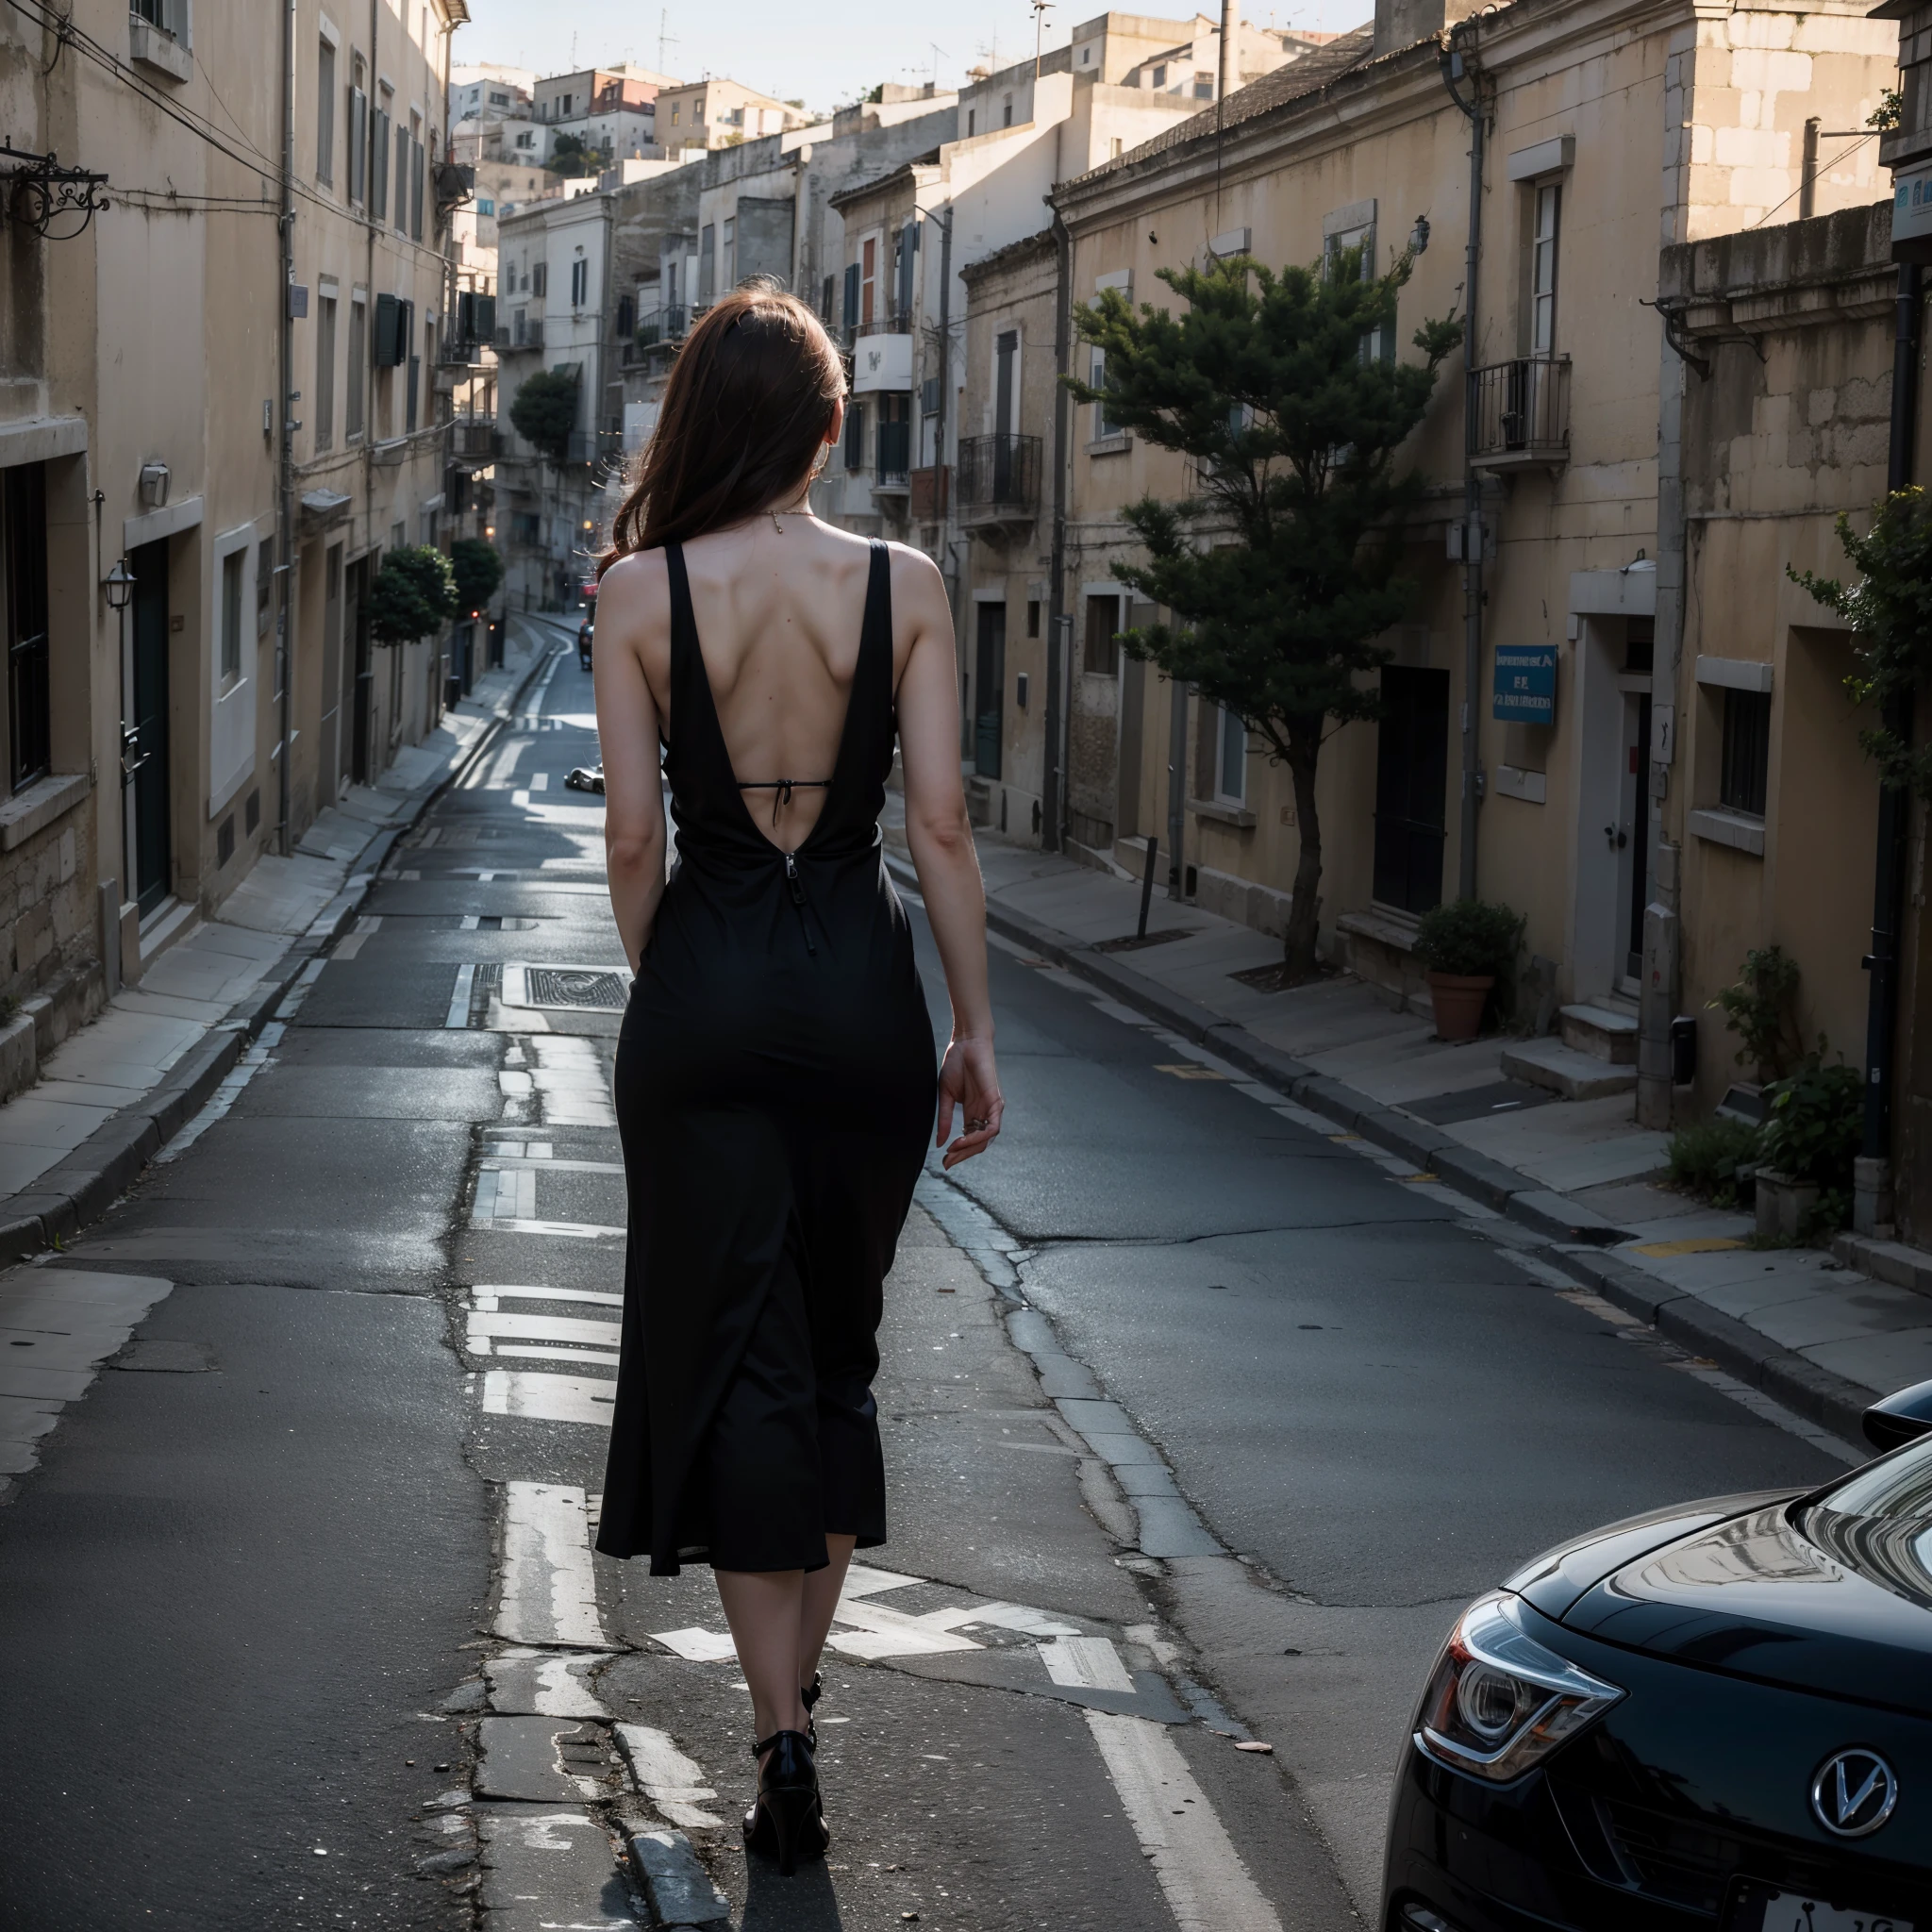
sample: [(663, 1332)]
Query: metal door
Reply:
[(145, 746), (1411, 772), (1631, 834), (989, 688)]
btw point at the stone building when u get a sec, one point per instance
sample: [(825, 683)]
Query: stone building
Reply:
[(206, 444)]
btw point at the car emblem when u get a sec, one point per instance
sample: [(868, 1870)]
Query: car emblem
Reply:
[(1854, 1792)]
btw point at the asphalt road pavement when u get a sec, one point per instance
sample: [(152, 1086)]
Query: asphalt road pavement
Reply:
[(1201, 1422)]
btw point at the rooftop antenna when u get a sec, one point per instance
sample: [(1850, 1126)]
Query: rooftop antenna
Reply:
[(1041, 10), (938, 52), (665, 37)]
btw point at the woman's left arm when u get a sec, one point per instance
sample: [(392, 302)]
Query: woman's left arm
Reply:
[(633, 592)]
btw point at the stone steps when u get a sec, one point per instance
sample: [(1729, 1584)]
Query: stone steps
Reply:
[(1603, 1032), (1566, 1070)]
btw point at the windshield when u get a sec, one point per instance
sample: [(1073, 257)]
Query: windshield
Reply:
[(1879, 1522)]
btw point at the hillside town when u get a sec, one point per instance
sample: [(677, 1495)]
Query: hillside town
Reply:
[(1522, 1031)]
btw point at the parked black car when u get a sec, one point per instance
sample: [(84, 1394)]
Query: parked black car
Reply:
[(1713, 1716), (584, 631)]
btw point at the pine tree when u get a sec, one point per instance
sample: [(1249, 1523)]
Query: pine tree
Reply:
[(1284, 566)]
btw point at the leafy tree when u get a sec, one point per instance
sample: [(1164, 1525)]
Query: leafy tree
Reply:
[(545, 411), (414, 592), (1284, 566), (571, 156), (478, 571), (1890, 610)]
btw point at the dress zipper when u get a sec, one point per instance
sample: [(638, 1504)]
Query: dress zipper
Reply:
[(797, 885)]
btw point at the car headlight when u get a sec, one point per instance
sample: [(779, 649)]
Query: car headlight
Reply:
[(1500, 1701)]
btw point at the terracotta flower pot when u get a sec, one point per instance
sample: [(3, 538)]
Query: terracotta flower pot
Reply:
[(1460, 999)]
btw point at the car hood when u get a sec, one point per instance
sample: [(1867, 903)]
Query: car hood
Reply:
[(1556, 1579), (1755, 1596)]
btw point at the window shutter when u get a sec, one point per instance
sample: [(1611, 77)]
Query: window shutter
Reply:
[(540, 278), (402, 180), (909, 241), (485, 319), (851, 297), (378, 165), (382, 343), (466, 317), (358, 143), (405, 330), (415, 190)]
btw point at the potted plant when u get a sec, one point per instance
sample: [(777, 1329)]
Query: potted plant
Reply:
[(1812, 1136), (1466, 946)]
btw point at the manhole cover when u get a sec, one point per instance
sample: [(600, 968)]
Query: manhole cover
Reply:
[(576, 989)]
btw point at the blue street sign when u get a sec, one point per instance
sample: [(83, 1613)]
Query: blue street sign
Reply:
[(1526, 684)]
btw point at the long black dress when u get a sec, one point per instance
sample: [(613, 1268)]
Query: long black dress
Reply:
[(775, 1085)]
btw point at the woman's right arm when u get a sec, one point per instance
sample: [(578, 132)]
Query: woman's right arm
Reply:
[(632, 601), (940, 836)]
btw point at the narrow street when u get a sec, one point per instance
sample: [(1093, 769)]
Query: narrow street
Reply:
[(1201, 1420)]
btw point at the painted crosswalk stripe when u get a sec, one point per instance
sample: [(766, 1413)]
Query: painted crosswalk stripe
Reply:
[(458, 1014), (486, 1327), (549, 1589), (483, 1296), (542, 1398), (673, 1782), (1207, 1888)]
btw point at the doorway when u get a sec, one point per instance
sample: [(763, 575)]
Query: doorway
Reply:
[(1632, 833), (1411, 771), (989, 688), (329, 762), (1612, 887), (144, 761), (360, 669)]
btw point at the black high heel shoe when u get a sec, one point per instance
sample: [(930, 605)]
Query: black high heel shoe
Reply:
[(809, 1698), (787, 1821)]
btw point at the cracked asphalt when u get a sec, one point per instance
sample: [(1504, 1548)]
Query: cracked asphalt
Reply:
[(246, 1602)]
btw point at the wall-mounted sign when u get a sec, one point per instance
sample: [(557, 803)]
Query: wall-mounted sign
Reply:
[(1525, 684), (1912, 215)]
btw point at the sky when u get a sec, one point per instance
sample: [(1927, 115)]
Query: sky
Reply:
[(825, 52)]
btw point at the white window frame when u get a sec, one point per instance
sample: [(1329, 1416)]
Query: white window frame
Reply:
[(1228, 730), (1545, 249)]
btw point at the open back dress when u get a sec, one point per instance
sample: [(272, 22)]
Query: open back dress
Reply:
[(776, 1088)]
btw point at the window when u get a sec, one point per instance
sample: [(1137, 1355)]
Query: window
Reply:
[(1204, 87), (378, 158), (676, 112), (23, 565), (359, 137), (1161, 76), (485, 206), (707, 262), (325, 112), (972, 120), (1007, 111), (418, 157), (1099, 653), (232, 566), (321, 414), (538, 280), (264, 585), (727, 252), (401, 209), (579, 283), (855, 435), (1542, 317), (868, 277), (1104, 425), (627, 315), (499, 100), (1118, 148), (356, 366), (1033, 616), (1231, 758), (1747, 751)]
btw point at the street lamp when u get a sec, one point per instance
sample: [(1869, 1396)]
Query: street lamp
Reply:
[(118, 585)]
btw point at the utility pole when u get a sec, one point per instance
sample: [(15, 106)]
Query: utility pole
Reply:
[(1230, 47), (1041, 10)]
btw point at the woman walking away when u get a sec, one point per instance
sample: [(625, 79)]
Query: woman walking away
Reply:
[(775, 1074)]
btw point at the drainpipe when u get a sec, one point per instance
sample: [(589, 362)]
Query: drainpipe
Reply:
[(1456, 69), (1230, 48), (1873, 1194), (285, 447), (1058, 623)]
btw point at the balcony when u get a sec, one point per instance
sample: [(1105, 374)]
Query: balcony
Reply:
[(661, 325), (1519, 415), (891, 324), (999, 481), (475, 439)]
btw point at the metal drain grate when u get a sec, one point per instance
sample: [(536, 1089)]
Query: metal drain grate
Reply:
[(571, 988)]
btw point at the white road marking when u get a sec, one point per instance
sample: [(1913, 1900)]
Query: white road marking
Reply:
[(539, 781), (484, 1298), (366, 928), (1019, 1617), (543, 1328), (548, 1398), (1207, 1888), (472, 920), (698, 1646), (505, 1158), (458, 1014), (1089, 1663), (671, 1781), (558, 1682), (549, 1591), (563, 1230), (603, 1358)]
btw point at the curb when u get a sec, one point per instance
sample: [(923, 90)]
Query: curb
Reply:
[(1573, 1237), (93, 1176)]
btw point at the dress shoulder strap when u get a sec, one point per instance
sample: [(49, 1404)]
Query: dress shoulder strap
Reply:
[(876, 636)]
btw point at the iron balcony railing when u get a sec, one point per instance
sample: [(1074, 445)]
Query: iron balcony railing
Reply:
[(476, 435), (895, 455), (1519, 412), (667, 325), (999, 476)]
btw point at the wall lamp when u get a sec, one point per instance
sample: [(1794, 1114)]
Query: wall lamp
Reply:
[(118, 585)]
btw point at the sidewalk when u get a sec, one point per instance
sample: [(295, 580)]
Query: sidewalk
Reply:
[(1807, 1327), (109, 1096)]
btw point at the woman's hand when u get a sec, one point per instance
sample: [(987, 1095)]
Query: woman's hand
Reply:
[(969, 1080)]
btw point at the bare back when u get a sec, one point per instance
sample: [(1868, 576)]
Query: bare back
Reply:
[(778, 611)]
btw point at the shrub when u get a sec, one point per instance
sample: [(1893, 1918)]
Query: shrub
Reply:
[(1713, 1158), (545, 411), (1757, 1008), (1469, 939), (478, 571), (1814, 1127), (414, 591)]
